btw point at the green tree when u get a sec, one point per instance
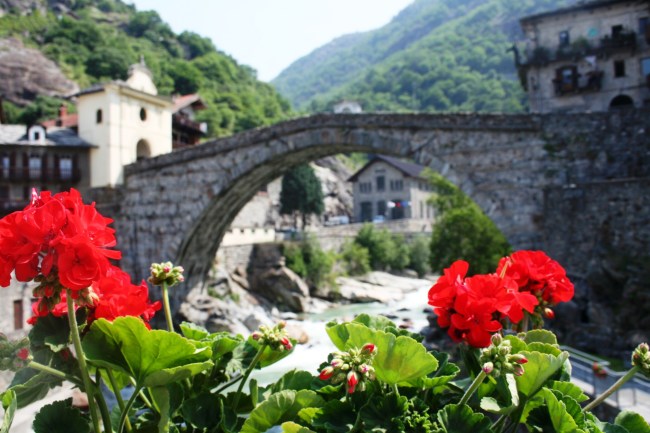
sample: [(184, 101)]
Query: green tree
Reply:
[(463, 231), (419, 255), (301, 194), (380, 246)]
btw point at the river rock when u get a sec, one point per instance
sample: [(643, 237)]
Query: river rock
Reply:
[(377, 287), (283, 287)]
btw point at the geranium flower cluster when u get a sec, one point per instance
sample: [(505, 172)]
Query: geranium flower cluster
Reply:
[(61, 243), (275, 337), (354, 367), (525, 285)]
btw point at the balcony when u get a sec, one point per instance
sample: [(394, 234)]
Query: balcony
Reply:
[(26, 174), (581, 48), (582, 83)]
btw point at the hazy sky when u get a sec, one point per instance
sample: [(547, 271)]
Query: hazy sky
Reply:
[(269, 35)]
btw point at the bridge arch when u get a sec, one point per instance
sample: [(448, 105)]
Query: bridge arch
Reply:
[(178, 206)]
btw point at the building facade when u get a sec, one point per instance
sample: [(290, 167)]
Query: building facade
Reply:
[(52, 159), (594, 56), (186, 131), (388, 188)]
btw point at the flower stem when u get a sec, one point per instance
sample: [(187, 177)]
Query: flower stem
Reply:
[(101, 402), (118, 396), (473, 387), (247, 373), (54, 372), (83, 368), (168, 312), (127, 408), (601, 398)]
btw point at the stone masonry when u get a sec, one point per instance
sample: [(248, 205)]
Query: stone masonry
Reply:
[(178, 206)]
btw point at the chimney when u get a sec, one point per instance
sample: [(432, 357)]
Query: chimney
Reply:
[(63, 111)]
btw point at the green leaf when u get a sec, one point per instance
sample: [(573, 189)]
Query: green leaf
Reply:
[(153, 358), (539, 368), (292, 427), (399, 360), (31, 385), (632, 421), (161, 399), (569, 389), (294, 379), (281, 407), (51, 331), (544, 348), (446, 372), (507, 388), (9, 404), (193, 331), (202, 411), (540, 336), (377, 322), (49, 419), (562, 420), (243, 354), (517, 344), (456, 418), (335, 416)]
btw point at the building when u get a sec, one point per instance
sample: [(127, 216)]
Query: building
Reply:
[(388, 188), (594, 56), (52, 159), (186, 131), (352, 107), (126, 121)]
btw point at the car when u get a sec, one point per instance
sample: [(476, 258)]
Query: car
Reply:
[(377, 219)]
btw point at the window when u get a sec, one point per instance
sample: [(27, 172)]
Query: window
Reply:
[(381, 183), (143, 114), (643, 25), (365, 187), (381, 207), (65, 168), (6, 166), (564, 38), (566, 79), (18, 314), (366, 211), (98, 116), (617, 30), (397, 212), (645, 68), (619, 68), (397, 185), (34, 167)]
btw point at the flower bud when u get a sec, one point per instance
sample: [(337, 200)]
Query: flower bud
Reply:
[(488, 367), (352, 381), (286, 343), (326, 373), (369, 349), (518, 370), (338, 378), (497, 339), (256, 335), (518, 358), (549, 314), (336, 363), (641, 358)]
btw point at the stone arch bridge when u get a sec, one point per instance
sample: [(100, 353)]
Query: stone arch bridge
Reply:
[(563, 183)]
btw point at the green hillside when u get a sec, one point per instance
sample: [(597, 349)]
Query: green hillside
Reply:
[(96, 41), (436, 55)]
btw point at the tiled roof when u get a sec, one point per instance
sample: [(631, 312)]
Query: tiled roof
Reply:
[(67, 121), (183, 101), (17, 135), (409, 169)]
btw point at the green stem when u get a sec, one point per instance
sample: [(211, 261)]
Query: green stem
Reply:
[(248, 372), (118, 396), (168, 312), (473, 387), (103, 408), (83, 368), (144, 398), (228, 384), (395, 390), (498, 424), (54, 372), (601, 398), (127, 408)]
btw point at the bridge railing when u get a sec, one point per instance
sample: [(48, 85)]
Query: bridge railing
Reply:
[(595, 372)]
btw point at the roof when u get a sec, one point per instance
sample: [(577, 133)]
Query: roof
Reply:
[(184, 101), (66, 121), (408, 169), (581, 6), (17, 135)]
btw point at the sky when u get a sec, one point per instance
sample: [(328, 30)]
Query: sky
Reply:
[(269, 35)]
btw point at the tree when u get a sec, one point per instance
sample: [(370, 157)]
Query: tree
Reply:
[(463, 231), (301, 193)]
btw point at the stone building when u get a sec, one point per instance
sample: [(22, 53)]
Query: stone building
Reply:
[(594, 56), (388, 188), (186, 131), (55, 159)]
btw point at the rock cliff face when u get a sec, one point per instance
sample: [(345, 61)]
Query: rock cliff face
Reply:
[(26, 73)]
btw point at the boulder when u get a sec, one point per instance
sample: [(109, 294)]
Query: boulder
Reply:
[(283, 287), (26, 73)]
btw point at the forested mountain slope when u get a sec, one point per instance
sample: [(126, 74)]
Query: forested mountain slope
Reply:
[(435, 55), (95, 41)]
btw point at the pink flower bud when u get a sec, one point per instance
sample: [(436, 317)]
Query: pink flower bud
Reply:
[(488, 367), (286, 343), (369, 349), (519, 359), (23, 353), (518, 370), (352, 381), (326, 373), (256, 335), (549, 314), (282, 324), (337, 363)]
